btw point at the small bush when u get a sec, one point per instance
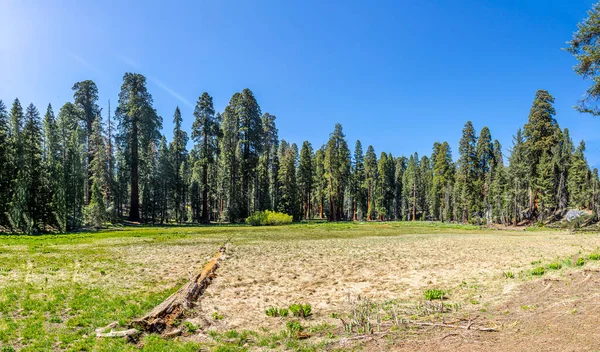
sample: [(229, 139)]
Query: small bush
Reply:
[(300, 310), (554, 266), (580, 261), (284, 312), (539, 271), (272, 312), (268, 217), (217, 316), (432, 294), (594, 256), (293, 327), (190, 327), (509, 275)]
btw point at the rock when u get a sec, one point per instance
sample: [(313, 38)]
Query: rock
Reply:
[(574, 214)]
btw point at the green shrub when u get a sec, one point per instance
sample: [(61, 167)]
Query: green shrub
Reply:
[(554, 266), (539, 271), (300, 310), (594, 256), (432, 294), (217, 316), (509, 275), (580, 261), (294, 327), (268, 217), (284, 312), (272, 312)]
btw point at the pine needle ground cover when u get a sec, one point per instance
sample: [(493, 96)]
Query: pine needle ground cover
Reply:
[(55, 290)]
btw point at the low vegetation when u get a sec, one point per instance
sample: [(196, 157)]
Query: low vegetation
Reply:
[(267, 217)]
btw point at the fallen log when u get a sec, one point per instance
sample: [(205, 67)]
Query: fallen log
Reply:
[(161, 318)]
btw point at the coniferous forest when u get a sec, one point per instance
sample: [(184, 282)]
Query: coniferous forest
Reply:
[(75, 167)]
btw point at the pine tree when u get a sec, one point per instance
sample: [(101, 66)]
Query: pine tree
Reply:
[(305, 178), (289, 202), (370, 181), (179, 155), (443, 178), (139, 126), (250, 148), (320, 182), (358, 183), (466, 173), (337, 171), (95, 210), (6, 177), (52, 169), (410, 185), (205, 132), (268, 165), (85, 94), (400, 210), (586, 49), (230, 168), (578, 179), (540, 134), (517, 174), (485, 158), (165, 172), (28, 198)]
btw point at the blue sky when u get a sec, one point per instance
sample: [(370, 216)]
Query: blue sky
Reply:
[(399, 75)]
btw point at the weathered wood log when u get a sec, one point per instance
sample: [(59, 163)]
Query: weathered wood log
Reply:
[(161, 318), (101, 332)]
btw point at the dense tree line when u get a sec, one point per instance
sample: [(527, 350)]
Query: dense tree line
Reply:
[(74, 169)]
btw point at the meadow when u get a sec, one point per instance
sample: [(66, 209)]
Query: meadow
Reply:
[(368, 286)]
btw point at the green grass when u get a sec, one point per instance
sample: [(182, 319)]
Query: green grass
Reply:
[(433, 294), (56, 289)]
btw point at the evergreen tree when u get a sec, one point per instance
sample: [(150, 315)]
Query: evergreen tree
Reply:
[(268, 165), (585, 46), (358, 183), (52, 169), (540, 134), (250, 148), (230, 169), (400, 210), (578, 179), (517, 174), (320, 182), (370, 181), (205, 132), (305, 178), (179, 155), (443, 178), (165, 172), (139, 126), (410, 184), (28, 197), (289, 202), (96, 209), (337, 171), (6, 177), (466, 174), (85, 95)]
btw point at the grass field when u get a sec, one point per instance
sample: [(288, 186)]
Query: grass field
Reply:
[(358, 278)]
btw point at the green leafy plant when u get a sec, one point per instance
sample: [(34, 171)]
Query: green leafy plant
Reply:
[(539, 271), (554, 266), (190, 327), (509, 275), (432, 294), (594, 256), (580, 261), (272, 312), (293, 327), (217, 316), (300, 310), (268, 217)]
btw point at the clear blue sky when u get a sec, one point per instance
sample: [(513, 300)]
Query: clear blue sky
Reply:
[(399, 75)]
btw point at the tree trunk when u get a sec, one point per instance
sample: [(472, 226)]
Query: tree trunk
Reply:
[(162, 318), (134, 209), (205, 217)]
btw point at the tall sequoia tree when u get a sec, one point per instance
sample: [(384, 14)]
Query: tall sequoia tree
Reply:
[(466, 174), (370, 181), (205, 132), (139, 126), (305, 178), (337, 171), (85, 95), (358, 175)]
